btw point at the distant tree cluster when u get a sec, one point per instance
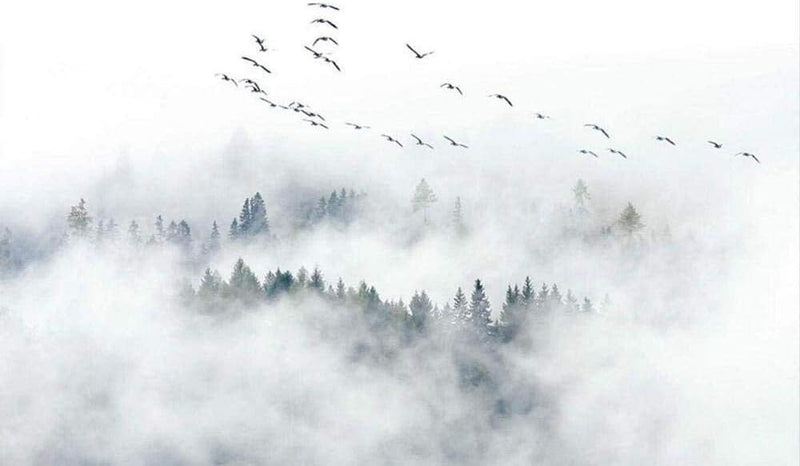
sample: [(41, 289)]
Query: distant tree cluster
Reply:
[(252, 221), (470, 315), (341, 207)]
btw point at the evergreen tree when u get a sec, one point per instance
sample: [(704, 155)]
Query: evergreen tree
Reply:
[(134, 237), (423, 198), (460, 309), (259, 224), (340, 290), (302, 277), (213, 239), (555, 298), (79, 220), (581, 192), (184, 237), (243, 282), (511, 318), (210, 284), (458, 218), (233, 232), (159, 224), (317, 282), (322, 209), (571, 302), (172, 232), (334, 205), (543, 299), (479, 308), (421, 308), (587, 305), (630, 221), (528, 295), (245, 219)]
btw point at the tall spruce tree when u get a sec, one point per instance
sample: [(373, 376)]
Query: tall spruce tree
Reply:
[(423, 198), (479, 308), (79, 221), (630, 221), (421, 308)]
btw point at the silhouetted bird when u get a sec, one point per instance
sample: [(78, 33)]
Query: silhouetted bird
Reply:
[(225, 77), (315, 123), (356, 126), (419, 141), (314, 52), (748, 154), (597, 128), (391, 139), (584, 151), (256, 64), (619, 152), (457, 144), (328, 60), (324, 5), (417, 54), (260, 43), (324, 21), (502, 97), (666, 139), (539, 116), (325, 39), (312, 114), (452, 86), (715, 144)]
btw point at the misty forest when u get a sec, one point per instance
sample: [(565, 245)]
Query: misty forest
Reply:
[(345, 233)]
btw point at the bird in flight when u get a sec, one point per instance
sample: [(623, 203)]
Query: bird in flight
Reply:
[(539, 116), (312, 114), (715, 144), (748, 154), (324, 39), (324, 21), (356, 126), (315, 123), (419, 141), (457, 144), (324, 5), (666, 139), (297, 105), (328, 60), (225, 77), (452, 86), (271, 103), (254, 87), (417, 54), (391, 139), (260, 43), (618, 152), (597, 128), (502, 97), (584, 151), (314, 52), (256, 64)]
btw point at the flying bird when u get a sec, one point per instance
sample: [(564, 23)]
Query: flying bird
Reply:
[(324, 39), (618, 152), (391, 139), (260, 43), (419, 141), (271, 103), (452, 86), (748, 154), (313, 115), (457, 144), (417, 54), (715, 144), (324, 21), (315, 123), (597, 128), (356, 126), (314, 52), (502, 97), (539, 116), (256, 64), (225, 77), (584, 151), (328, 60), (324, 5), (663, 138)]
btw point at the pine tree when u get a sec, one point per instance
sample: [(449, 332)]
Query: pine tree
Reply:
[(528, 295), (543, 299), (245, 220), (184, 237), (630, 221), (479, 308), (259, 224), (134, 237), (555, 298), (210, 284), (213, 239), (512, 314), (423, 198), (581, 192), (421, 308), (340, 290), (587, 305), (159, 224), (302, 277), (460, 309), (334, 205), (322, 209), (572, 302), (317, 282), (79, 220), (243, 282), (233, 232), (458, 218)]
